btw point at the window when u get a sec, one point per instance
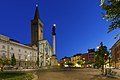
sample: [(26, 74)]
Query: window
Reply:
[(30, 53), (11, 48), (25, 56), (41, 31), (35, 54), (25, 63), (19, 50), (3, 56), (92, 55), (30, 58), (3, 47), (19, 57), (19, 63), (83, 58)]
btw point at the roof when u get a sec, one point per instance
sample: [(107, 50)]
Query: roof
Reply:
[(65, 58), (77, 55), (118, 42), (14, 40), (91, 50)]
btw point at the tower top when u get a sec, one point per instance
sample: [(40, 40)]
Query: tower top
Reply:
[(36, 16), (53, 29), (36, 5)]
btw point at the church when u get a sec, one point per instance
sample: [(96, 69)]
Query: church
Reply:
[(37, 54)]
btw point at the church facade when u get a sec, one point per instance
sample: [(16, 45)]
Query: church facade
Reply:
[(36, 54)]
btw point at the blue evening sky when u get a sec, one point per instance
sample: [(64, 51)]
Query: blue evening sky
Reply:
[(79, 23)]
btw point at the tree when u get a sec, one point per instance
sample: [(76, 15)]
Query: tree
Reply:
[(4, 61), (13, 60), (111, 13), (101, 56), (80, 62)]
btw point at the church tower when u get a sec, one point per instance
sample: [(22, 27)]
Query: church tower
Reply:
[(36, 28)]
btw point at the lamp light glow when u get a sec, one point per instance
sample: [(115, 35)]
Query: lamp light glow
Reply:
[(54, 24)]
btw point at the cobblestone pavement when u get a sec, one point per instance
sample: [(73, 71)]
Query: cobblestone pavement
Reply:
[(71, 74)]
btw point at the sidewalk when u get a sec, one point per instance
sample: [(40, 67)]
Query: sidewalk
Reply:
[(117, 74), (117, 70), (21, 70)]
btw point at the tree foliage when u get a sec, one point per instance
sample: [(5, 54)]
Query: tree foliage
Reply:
[(13, 60), (4, 61), (101, 56), (80, 62), (111, 13)]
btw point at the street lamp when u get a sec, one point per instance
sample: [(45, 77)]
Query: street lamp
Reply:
[(98, 47), (28, 55), (26, 60), (54, 25)]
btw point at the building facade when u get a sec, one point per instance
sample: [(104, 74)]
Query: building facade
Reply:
[(76, 58), (91, 54), (45, 53), (64, 61), (115, 50), (26, 56)]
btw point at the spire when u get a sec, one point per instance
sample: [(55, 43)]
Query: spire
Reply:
[(53, 29), (36, 13)]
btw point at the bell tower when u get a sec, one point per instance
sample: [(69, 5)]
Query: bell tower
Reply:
[(36, 28)]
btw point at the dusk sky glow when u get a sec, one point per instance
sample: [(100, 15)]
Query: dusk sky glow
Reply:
[(79, 23)]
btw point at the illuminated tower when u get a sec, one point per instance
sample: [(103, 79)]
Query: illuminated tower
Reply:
[(53, 39), (36, 28)]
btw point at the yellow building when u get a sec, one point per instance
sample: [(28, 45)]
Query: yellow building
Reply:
[(75, 59)]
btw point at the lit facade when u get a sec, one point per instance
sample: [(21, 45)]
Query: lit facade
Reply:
[(91, 54), (115, 50), (26, 56), (45, 53), (76, 58)]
